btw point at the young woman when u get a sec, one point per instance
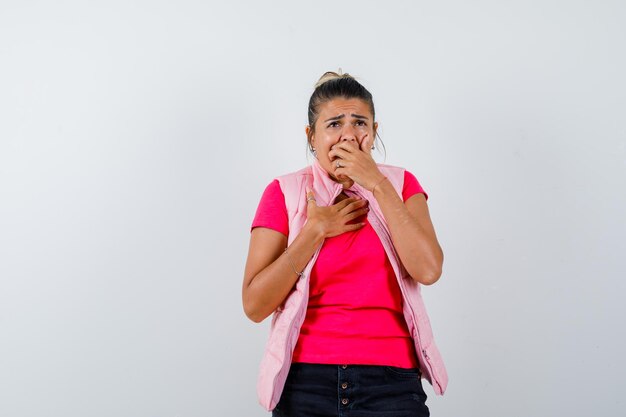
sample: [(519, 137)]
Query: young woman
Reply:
[(338, 252)]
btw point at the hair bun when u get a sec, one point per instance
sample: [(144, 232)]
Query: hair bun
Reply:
[(330, 75)]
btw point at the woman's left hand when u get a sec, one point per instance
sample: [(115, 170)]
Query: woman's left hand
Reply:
[(354, 163)]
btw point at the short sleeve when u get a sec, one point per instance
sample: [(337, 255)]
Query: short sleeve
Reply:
[(411, 186), (272, 211)]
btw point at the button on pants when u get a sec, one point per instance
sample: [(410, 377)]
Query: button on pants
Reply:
[(351, 391)]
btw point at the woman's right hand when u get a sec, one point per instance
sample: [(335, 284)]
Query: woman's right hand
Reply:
[(335, 219), (271, 273)]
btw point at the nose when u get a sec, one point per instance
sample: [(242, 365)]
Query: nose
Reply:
[(348, 133)]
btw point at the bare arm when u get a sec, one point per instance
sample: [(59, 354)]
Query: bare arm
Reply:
[(412, 233), (269, 276)]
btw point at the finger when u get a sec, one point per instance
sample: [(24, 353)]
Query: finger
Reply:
[(356, 213), (343, 203), (338, 163), (310, 197), (353, 227), (366, 144), (341, 172), (347, 146), (338, 153), (345, 171), (355, 205)]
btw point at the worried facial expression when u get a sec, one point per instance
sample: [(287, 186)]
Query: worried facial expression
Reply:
[(341, 119)]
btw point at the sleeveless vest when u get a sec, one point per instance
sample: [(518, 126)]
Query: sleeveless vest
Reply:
[(288, 318)]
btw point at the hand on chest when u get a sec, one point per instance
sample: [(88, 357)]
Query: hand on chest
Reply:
[(360, 219), (353, 255)]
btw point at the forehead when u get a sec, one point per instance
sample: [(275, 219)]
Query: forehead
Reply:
[(345, 106)]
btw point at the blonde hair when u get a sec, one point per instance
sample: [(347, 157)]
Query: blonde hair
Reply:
[(330, 75)]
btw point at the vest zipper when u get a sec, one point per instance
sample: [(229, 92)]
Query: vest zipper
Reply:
[(305, 299), (391, 252)]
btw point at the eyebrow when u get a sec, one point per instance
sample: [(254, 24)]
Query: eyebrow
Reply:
[(341, 116)]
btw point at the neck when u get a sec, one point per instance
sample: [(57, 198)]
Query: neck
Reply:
[(345, 182)]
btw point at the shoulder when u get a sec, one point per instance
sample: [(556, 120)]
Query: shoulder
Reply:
[(272, 189), (292, 182), (412, 186), (394, 174), (272, 196), (391, 168), (304, 172), (401, 172), (403, 180), (271, 211)]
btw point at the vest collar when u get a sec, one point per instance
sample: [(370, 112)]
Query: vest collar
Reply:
[(326, 190)]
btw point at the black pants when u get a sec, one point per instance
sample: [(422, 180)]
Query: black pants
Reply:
[(352, 391)]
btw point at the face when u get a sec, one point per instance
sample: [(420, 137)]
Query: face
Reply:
[(340, 119)]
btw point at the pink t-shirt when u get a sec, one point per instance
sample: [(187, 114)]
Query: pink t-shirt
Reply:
[(354, 313)]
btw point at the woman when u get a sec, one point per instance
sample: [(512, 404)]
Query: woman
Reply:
[(338, 251)]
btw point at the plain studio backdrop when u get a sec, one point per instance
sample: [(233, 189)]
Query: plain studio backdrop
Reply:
[(136, 138)]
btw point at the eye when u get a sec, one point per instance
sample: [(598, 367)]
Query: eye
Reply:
[(333, 124), (361, 123)]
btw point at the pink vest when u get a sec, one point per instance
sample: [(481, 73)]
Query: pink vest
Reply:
[(288, 318)]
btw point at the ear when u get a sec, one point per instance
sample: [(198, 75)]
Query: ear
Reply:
[(309, 136), (375, 128)]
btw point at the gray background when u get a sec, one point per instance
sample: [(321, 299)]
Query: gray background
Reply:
[(136, 138)]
